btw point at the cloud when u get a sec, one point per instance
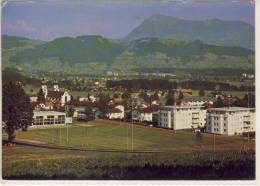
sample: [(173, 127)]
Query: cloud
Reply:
[(20, 25)]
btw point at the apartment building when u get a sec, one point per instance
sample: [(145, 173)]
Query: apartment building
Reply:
[(181, 117), (230, 120)]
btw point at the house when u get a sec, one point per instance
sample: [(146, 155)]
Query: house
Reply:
[(83, 109), (55, 95), (230, 120), (181, 117), (115, 112), (49, 119), (148, 114)]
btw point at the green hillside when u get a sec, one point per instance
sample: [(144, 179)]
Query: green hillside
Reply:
[(170, 53), (95, 54), (214, 31), (83, 49), (10, 42)]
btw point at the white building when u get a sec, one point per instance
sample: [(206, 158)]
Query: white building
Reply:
[(230, 120), (181, 117), (48, 119)]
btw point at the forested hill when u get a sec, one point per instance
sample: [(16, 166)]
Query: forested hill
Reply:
[(213, 31)]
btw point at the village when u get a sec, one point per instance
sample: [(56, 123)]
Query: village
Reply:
[(54, 107)]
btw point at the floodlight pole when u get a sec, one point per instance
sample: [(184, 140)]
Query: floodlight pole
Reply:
[(214, 142), (127, 135), (60, 135), (67, 132), (132, 126)]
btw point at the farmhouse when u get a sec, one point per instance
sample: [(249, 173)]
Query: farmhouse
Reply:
[(181, 117), (49, 119), (230, 120)]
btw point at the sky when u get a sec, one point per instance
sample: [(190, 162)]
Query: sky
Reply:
[(49, 19)]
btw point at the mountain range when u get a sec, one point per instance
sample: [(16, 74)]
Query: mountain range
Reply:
[(157, 42)]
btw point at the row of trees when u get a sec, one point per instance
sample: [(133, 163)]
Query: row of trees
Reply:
[(162, 84), (247, 101)]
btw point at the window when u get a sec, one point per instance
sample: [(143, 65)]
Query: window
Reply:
[(38, 120)]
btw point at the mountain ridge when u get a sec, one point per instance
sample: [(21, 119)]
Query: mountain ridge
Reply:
[(211, 31)]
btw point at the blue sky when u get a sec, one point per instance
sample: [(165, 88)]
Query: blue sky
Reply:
[(49, 19)]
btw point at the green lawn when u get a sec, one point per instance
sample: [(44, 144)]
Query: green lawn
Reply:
[(102, 135)]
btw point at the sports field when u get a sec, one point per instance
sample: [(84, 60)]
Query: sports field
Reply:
[(102, 134)]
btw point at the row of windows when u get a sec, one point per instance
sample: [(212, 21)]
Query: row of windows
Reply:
[(41, 121), (50, 117), (216, 130)]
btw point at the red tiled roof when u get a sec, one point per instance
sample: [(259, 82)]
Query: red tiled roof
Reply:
[(113, 110), (55, 94), (149, 109)]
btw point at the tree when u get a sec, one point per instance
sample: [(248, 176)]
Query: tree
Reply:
[(155, 96), (180, 97), (249, 100), (170, 98), (218, 103), (126, 95), (104, 98), (71, 112), (17, 110), (40, 96), (115, 96), (201, 93)]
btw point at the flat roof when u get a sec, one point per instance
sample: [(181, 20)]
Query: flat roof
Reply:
[(181, 106), (48, 112), (233, 109)]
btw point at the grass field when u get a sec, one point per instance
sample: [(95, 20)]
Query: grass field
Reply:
[(187, 156), (114, 135)]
